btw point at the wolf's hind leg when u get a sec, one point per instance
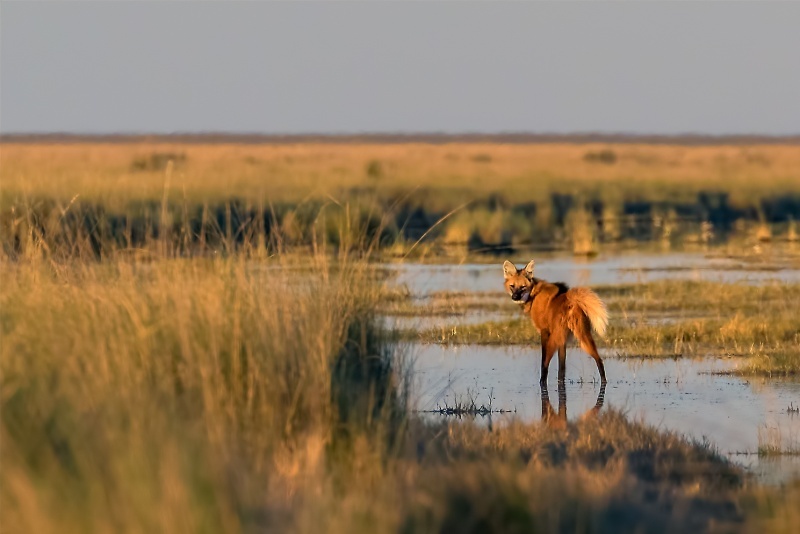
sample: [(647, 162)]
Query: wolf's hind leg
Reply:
[(587, 344), (581, 328)]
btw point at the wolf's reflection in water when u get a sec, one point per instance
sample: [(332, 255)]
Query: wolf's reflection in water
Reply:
[(558, 419)]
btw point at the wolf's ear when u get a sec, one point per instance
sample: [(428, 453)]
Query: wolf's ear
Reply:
[(529, 269), (509, 269)]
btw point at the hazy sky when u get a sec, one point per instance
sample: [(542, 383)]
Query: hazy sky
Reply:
[(281, 67)]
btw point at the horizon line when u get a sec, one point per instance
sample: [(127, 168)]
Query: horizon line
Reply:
[(389, 137)]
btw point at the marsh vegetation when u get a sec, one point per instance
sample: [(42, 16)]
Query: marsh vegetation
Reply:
[(176, 357), (208, 396)]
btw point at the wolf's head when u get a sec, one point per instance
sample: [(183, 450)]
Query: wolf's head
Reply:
[(519, 282)]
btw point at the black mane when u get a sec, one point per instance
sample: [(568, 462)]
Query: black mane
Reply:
[(562, 286)]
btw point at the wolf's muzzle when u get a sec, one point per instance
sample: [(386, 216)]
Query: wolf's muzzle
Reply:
[(520, 295)]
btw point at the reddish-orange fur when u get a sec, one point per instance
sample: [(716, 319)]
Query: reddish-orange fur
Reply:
[(558, 312)]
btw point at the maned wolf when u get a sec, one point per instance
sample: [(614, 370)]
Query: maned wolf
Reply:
[(558, 311)]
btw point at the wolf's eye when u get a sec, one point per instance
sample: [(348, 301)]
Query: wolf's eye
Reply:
[(513, 287)]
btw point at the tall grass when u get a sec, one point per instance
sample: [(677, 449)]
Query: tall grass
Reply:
[(183, 395)]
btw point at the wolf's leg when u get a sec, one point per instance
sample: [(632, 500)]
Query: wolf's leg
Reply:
[(547, 355), (562, 363), (587, 344), (548, 352)]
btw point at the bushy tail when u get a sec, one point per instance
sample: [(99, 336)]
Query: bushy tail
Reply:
[(591, 305)]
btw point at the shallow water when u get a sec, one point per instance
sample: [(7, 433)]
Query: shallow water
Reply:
[(678, 395), (423, 279), (425, 322)]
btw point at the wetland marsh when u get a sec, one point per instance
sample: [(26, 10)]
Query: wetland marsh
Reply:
[(692, 344), (168, 366)]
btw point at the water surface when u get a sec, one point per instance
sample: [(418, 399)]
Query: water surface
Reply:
[(679, 395)]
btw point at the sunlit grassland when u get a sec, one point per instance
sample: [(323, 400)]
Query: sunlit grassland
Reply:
[(114, 175), (147, 390), (202, 397)]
